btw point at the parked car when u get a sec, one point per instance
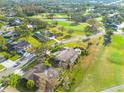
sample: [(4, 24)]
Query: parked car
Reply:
[(17, 64)]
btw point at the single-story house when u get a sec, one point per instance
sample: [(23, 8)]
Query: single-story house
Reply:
[(11, 34), (67, 57), (16, 22), (44, 77), (19, 47), (40, 37)]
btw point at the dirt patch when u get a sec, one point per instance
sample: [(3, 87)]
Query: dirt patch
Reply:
[(11, 89)]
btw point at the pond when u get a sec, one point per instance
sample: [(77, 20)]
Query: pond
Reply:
[(60, 19)]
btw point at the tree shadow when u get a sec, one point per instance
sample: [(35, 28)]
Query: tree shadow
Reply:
[(22, 86)]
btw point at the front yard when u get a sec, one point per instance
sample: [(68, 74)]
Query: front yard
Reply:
[(1, 67), (34, 42)]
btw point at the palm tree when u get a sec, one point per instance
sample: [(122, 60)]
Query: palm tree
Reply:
[(30, 84)]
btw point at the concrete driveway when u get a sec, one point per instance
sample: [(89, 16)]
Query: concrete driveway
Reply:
[(8, 63)]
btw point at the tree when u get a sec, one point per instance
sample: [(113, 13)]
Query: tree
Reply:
[(94, 23), (50, 15), (89, 30), (76, 17), (39, 24), (14, 80), (23, 31), (30, 84), (2, 40), (41, 52)]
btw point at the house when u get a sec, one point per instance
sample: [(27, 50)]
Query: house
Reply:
[(2, 59), (11, 34), (40, 37), (45, 77), (19, 47), (16, 22), (67, 57), (22, 46)]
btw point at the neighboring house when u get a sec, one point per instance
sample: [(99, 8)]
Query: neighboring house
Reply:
[(44, 77), (22, 46), (40, 37), (19, 47), (10, 34), (67, 57), (16, 22), (2, 59)]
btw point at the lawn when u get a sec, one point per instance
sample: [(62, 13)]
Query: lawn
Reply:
[(14, 58), (107, 70), (34, 42), (76, 44), (1, 67), (5, 54), (9, 56)]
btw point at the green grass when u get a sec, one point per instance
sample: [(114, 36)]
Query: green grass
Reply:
[(44, 15), (75, 77), (76, 44), (67, 25), (14, 58), (78, 29), (1, 67), (30, 65), (9, 56), (34, 42), (5, 54), (60, 15), (106, 70)]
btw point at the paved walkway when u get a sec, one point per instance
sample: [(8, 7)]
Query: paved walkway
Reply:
[(113, 89)]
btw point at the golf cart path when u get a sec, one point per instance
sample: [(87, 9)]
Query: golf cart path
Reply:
[(114, 88)]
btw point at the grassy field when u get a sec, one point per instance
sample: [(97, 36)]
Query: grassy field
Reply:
[(106, 70), (69, 29), (68, 25)]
